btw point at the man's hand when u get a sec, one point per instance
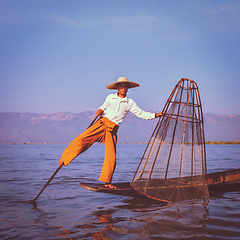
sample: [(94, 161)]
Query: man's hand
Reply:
[(61, 162), (99, 112), (158, 114)]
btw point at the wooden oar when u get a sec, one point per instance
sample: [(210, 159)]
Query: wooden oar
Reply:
[(50, 179), (93, 121)]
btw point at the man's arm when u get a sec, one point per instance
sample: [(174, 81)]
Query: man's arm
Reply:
[(142, 114), (103, 107)]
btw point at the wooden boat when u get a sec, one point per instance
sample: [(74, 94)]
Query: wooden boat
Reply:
[(218, 182)]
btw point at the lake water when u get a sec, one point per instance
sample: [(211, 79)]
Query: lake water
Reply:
[(66, 211)]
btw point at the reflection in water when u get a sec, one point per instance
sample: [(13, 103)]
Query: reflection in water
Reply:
[(104, 218), (63, 233), (182, 220)]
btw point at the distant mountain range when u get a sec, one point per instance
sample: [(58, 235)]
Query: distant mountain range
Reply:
[(63, 127)]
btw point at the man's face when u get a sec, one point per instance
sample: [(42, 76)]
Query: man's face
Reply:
[(122, 88)]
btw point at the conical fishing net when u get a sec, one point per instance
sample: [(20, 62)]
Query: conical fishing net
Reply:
[(173, 166)]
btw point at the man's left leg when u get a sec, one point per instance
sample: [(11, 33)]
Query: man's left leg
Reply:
[(109, 164)]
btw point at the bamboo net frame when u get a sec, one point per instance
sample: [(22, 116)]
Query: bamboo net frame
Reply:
[(173, 165)]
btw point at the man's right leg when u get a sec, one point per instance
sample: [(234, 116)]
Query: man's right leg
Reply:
[(82, 142)]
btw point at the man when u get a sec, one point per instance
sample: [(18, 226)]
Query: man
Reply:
[(104, 130)]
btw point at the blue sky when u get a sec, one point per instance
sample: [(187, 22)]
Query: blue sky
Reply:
[(58, 56)]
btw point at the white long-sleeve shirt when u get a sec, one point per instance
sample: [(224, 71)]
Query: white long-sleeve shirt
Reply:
[(116, 108)]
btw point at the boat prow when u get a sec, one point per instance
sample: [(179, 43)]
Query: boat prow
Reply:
[(123, 189)]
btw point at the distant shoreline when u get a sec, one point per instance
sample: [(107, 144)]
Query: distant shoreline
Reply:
[(222, 142), (207, 143)]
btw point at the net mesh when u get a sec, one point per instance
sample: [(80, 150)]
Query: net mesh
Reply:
[(173, 166)]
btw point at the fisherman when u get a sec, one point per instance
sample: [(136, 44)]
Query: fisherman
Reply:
[(112, 113)]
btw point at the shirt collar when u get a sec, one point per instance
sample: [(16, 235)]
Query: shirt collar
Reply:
[(121, 99)]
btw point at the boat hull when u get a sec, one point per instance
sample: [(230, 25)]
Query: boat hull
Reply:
[(217, 182)]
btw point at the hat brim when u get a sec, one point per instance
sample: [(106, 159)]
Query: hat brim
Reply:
[(130, 85)]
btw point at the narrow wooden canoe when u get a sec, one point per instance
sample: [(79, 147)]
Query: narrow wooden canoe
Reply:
[(217, 182)]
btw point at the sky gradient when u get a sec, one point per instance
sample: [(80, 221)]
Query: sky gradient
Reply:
[(58, 56)]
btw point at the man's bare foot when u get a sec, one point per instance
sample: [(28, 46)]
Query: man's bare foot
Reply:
[(109, 185)]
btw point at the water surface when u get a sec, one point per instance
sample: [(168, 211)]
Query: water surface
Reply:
[(67, 211)]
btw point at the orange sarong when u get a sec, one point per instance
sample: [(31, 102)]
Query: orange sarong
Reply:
[(103, 131)]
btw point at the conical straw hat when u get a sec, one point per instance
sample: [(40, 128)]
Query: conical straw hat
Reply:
[(122, 80)]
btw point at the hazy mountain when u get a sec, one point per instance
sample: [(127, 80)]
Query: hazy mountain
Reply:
[(63, 127), (222, 127)]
